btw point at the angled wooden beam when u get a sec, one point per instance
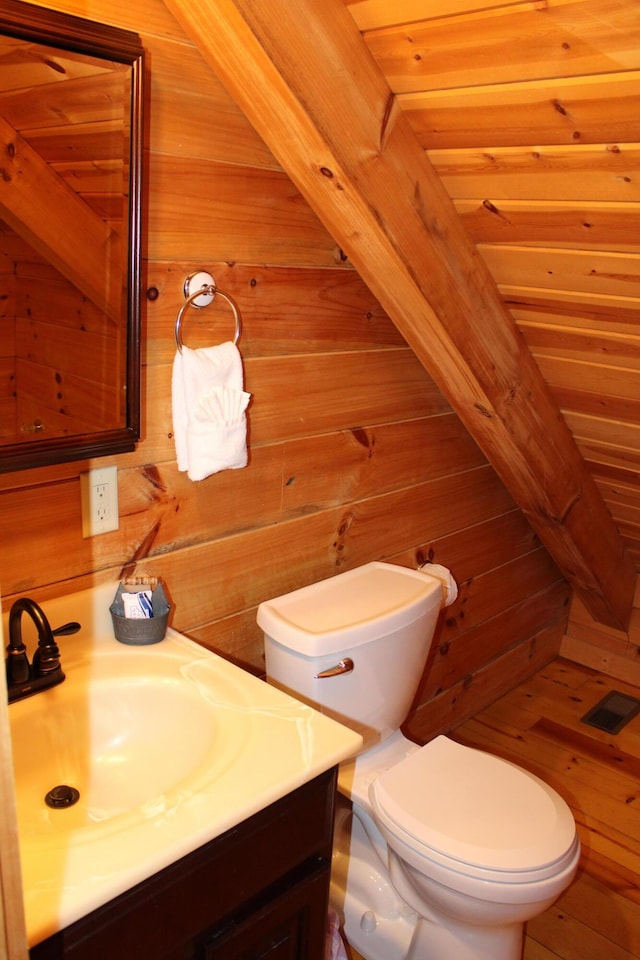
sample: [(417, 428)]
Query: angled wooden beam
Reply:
[(305, 79), (57, 223)]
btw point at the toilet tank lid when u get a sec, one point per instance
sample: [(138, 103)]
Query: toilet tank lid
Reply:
[(350, 608)]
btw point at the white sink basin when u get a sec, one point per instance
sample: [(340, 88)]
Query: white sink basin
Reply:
[(167, 745), (130, 732)]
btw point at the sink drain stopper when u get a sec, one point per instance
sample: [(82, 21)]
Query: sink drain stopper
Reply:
[(62, 796)]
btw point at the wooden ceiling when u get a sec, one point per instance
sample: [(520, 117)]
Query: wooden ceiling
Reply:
[(530, 114), (64, 128)]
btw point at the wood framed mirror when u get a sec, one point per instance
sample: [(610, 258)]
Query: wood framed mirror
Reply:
[(71, 144)]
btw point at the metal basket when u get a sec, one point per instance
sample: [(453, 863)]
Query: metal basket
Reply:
[(143, 631)]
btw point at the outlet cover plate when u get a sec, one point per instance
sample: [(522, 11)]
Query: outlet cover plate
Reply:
[(99, 495)]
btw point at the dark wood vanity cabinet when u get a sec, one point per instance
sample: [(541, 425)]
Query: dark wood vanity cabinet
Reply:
[(258, 892)]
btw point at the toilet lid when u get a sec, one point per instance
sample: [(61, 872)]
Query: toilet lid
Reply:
[(474, 808)]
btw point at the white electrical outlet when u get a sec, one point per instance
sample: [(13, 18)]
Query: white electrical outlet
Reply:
[(99, 492)]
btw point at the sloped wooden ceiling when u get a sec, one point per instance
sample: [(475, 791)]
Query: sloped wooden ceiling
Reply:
[(530, 114), (306, 79), (63, 135), (42, 209)]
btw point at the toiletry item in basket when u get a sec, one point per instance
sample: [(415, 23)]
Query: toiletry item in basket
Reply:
[(140, 611), (137, 606)]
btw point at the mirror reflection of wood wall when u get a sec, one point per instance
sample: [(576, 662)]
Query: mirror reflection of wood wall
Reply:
[(64, 126)]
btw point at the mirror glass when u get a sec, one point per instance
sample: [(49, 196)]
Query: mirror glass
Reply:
[(70, 183)]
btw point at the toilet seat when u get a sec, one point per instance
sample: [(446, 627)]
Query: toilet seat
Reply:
[(474, 814)]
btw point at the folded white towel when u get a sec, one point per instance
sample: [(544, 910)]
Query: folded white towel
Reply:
[(209, 404)]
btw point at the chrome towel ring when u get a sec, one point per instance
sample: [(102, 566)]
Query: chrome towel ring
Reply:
[(208, 291)]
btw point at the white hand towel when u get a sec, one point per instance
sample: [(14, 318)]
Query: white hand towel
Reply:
[(209, 404)]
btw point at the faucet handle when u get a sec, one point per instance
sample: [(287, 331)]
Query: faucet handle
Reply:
[(67, 628)]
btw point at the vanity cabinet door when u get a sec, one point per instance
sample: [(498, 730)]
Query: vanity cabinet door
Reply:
[(289, 927)]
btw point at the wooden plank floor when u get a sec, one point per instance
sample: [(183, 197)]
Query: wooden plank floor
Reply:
[(538, 726)]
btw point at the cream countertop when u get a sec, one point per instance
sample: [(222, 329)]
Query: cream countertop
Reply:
[(259, 746)]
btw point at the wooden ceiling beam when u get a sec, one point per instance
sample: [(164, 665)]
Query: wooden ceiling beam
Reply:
[(303, 76), (42, 209)]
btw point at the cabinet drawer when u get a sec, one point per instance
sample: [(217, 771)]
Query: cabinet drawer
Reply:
[(289, 926)]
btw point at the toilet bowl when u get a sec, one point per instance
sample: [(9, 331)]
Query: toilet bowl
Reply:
[(441, 852), (491, 847)]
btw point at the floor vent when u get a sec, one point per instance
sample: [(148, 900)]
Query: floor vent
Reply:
[(613, 712)]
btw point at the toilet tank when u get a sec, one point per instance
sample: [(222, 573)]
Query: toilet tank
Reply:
[(379, 616)]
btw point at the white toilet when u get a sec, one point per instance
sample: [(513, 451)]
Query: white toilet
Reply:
[(442, 852)]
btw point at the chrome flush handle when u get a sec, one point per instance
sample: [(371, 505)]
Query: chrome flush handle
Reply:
[(345, 666)]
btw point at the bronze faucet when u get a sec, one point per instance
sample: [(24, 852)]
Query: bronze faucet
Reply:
[(23, 678)]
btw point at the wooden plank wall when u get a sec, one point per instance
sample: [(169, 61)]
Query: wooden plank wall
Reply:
[(7, 346), (53, 337), (354, 454), (66, 355), (615, 653)]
